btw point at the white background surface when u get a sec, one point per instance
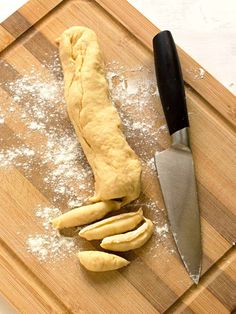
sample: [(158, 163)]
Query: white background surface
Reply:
[(205, 29)]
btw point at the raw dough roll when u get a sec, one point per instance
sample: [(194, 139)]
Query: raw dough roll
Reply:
[(129, 240), (113, 225), (84, 214), (101, 261), (115, 166)]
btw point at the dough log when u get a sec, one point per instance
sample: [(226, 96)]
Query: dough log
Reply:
[(115, 166)]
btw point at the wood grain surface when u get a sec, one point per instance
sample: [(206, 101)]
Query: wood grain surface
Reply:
[(148, 285)]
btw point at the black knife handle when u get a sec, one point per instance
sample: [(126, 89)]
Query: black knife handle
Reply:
[(170, 81)]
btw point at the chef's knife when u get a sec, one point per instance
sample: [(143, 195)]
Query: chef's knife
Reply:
[(175, 165)]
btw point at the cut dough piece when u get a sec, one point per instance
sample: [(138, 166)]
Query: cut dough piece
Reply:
[(101, 261), (130, 240), (85, 214), (113, 225), (116, 167)]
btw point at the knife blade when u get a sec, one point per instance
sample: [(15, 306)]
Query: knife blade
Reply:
[(175, 165)]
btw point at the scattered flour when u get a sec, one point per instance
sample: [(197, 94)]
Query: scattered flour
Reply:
[(162, 230), (45, 136), (49, 246), (151, 164), (45, 148), (197, 73), (133, 91), (201, 73)]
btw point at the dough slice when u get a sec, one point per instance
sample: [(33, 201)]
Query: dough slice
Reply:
[(113, 225), (116, 167), (85, 214), (100, 261), (130, 240)]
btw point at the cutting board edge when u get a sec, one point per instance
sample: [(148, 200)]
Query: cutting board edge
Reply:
[(12, 32), (207, 87), (186, 299)]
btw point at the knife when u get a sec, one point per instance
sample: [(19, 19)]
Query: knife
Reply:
[(175, 165)]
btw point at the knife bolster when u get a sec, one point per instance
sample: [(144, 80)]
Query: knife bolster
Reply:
[(180, 137)]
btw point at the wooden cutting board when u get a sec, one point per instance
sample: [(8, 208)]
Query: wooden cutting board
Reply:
[(153, 283)]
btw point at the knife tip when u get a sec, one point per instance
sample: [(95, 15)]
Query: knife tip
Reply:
[(195, 278)]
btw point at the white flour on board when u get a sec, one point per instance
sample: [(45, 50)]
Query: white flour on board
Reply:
[(49, 244), (44, 138), (197, 73)]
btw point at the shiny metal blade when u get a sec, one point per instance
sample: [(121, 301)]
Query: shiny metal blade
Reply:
[(176, 175)]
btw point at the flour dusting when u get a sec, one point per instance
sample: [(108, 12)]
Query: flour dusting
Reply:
[(133, 91), (197, 73), (50, 245), (201, 73), (40, 142)]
